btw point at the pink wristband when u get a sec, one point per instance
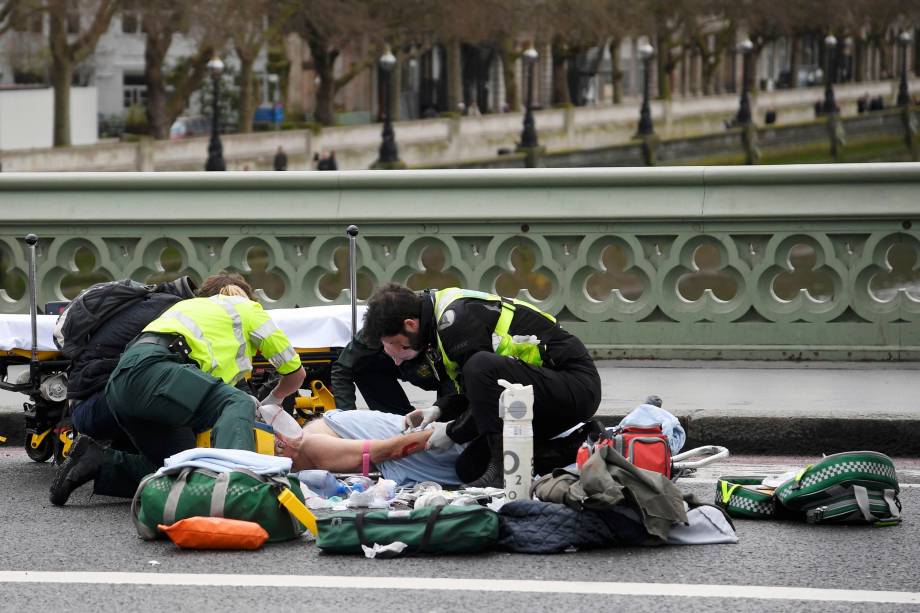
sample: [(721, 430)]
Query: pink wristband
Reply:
[(366, 458)]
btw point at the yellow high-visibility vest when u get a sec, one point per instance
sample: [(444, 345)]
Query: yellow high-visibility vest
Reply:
[(224, 332)]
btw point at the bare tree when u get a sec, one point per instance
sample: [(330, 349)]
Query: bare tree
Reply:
[(168, 92), (252, 24), (68, 51)]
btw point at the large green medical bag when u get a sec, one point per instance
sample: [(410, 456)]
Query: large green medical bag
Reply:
[(855, 486), (238, 494), (449, 529)]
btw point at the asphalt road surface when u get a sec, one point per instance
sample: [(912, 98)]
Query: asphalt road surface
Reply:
[(86, 557)]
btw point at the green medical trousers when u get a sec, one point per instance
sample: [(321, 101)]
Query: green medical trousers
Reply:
[(161, 403)]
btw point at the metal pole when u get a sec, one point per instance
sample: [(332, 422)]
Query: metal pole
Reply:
[(903, 94), (352, 232), (529, 134), (645, 113), (744, 110), (830, 104), (215, 148), (388, 150), (31, 241)]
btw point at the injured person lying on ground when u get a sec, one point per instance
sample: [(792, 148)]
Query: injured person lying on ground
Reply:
[(362, 441)]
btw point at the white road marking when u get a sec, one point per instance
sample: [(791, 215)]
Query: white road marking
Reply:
[(748, 592)]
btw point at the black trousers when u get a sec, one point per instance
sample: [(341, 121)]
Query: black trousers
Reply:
[(561, 398)]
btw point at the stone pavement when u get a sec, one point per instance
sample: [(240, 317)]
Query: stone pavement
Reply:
[(778, 408)]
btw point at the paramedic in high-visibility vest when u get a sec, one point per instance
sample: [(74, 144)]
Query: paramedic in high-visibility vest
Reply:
[(475, 339), (177, 379)]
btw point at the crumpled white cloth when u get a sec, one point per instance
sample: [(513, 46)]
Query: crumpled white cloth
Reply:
[(225, 460), (706, 525), (646, 414)]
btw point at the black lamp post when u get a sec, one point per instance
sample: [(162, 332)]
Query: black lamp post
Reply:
[(646, 53), (903, 94), (830, 68), (744, 109), (388, 156), (215, 148), (529, 133)]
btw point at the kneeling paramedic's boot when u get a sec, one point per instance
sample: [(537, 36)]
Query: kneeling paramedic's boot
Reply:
[(494, 473), (81, 466)]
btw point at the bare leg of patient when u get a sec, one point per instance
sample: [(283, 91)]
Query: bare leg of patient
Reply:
[(322, 448)]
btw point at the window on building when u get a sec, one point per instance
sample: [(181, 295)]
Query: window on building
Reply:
[(131, 17), (134, 90)]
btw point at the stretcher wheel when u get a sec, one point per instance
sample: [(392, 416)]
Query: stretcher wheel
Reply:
[(43, 451)]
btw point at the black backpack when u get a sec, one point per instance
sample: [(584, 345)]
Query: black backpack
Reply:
[(97, 303)]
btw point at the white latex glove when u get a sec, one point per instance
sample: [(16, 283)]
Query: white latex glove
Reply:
[(272, 399), (439, 441), (529, 339), (419, 418)]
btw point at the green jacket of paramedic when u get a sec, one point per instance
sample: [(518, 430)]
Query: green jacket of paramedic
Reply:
[(178, 378)]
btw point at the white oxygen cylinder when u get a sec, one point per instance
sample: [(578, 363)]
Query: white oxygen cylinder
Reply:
[(515, 407), (280, 420)]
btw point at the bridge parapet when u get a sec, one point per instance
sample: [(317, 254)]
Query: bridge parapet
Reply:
[(802, 262)]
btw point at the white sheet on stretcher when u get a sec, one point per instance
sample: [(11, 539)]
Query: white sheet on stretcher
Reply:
[(307, 327)]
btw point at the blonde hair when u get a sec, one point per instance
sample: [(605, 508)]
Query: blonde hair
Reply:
[(216, 284), (233, 290)]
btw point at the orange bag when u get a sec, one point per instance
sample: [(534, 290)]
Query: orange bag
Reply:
[(215, 533)]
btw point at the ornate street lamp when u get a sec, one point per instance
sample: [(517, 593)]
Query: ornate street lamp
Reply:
[(830, 69), (388, 156), (529, 133), (215, 148), (646, 53), (744, 109), (903, 94)]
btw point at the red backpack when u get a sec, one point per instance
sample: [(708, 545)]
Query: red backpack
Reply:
[(644, 446)]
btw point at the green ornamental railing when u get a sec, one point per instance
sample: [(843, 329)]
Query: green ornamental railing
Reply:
[(795, 262)]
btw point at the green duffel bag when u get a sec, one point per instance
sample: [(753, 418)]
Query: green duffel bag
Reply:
[(854, 486), (741, 497), (449, 529), (238, 494)]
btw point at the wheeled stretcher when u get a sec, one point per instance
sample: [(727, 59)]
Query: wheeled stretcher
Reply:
[(318, 334)]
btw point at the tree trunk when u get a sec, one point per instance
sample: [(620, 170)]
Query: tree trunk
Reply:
[(616, 75), (561, 94), (509, 59), (293, 96), (662, 62), (62, 68), (324, 111), (395, 89), (154, 53), (794, 62), (61, 78), (247, 92), (859, 59), (454, 76)]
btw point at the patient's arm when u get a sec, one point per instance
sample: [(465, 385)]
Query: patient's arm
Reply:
[(343, 455)]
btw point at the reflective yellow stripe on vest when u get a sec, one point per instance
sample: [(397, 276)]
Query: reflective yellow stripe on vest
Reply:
[(216, 330), (243, 363), (444, 298)]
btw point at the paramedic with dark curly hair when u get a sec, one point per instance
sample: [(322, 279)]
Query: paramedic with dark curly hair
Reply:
[(475, 339)]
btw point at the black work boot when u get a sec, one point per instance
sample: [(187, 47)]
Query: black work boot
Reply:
[(81, 466), (494, 475)]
